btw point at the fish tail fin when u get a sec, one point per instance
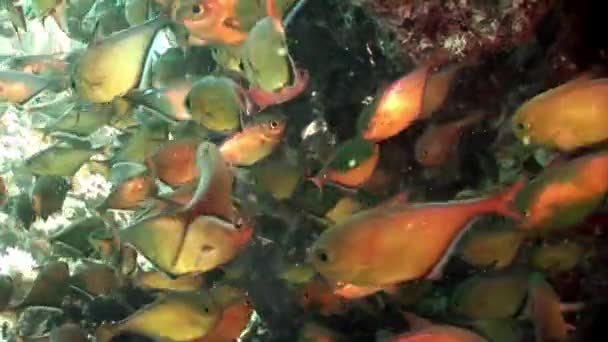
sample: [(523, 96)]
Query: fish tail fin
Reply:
[(317, 181), (502, 202), (274, 13)]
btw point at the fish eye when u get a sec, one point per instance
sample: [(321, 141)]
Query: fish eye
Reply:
[(322, 255), (206, 309), (274, 124), (521, 126), (196, 9)]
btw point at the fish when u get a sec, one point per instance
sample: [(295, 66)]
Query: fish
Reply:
[(19, 87), (544, 308), (267, 64), (439, 333), (494, 247), (352, 164), (279, 174), (236, 312), (557, 257), (209, 22), (494, 296), (175, 315), (175, 162), (171, 66), (396, 242), (568, 117), (38, 64), (49, 194), (209, 242), (439, 142), (81, 119), (168, 102), (60, 160), (130, 193), (98, 78), (256, 141), (399, 105), (563, 195), (216, 102)]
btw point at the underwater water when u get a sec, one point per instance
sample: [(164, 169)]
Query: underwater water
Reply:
[(303, 170)]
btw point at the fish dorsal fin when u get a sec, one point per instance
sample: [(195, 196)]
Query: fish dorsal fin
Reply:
[(97, 34)]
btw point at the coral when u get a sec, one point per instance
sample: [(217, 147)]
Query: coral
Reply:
[(463, 27)]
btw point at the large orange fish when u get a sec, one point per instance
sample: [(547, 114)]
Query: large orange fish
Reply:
[(396, 242)]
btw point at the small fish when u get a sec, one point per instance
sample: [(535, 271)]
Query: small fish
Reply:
[(98, 78), (439, 333), (396, 242), (279, 174), (344, 208), (256, 141), (557, 257), (208, 243), (171, 66), (544, 308), (216, 103), (49, 194), (438, 86), (140, 144), (352, 165), (494, 247), (176, 315), (498, 296), (130, 193), (209, 22), (38, 64), (168, 102), (439, 142), (268, 66), (567, 117), (81, 119), (175, 162), (564, 195), (236, 312), (60, 160), (399, 105), (18, 87)]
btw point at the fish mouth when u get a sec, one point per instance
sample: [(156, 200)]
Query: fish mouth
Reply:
[(526, 140)]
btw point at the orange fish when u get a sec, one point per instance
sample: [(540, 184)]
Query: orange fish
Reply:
[(210, 21), (175, 162), (352, 164), (565, 194), (439, 333), (567, 117), (435, 146), (256, 141), (396, 242), (317, 295), (438, 86), (399, 105), (234, 319)]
